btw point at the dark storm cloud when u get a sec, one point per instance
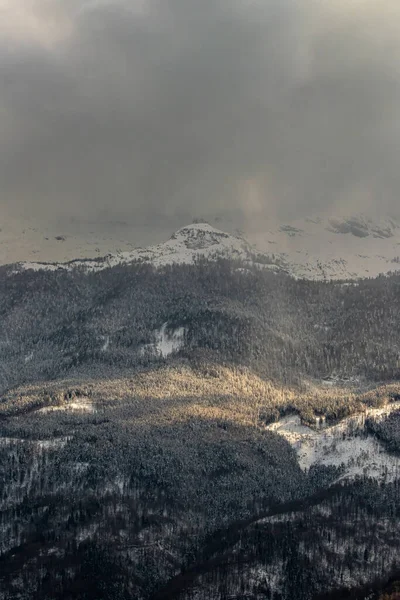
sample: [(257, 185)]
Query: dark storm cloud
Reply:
[(158, 106)]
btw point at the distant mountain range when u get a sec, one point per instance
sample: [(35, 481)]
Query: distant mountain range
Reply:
[(319, 249)]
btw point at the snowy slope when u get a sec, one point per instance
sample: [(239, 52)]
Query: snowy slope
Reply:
[(345, 445)]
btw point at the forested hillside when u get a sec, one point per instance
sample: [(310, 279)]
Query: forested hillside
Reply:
[(55, 323), (137, 458)]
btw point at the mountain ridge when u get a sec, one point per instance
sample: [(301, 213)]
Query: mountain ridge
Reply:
[(333, 248), (198, 240)]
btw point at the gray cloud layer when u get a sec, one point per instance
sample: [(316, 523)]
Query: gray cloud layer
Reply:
[(161, 106)]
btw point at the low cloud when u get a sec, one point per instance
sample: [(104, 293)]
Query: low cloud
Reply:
[(285, 107)]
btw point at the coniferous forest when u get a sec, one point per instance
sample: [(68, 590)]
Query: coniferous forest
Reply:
[(137, 457)]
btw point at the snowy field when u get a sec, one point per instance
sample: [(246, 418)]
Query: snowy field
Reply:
[(346, 444)]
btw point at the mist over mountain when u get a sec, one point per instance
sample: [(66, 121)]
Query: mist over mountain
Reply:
[(154, 109), (199, 300)]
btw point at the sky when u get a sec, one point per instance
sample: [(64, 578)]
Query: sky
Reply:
[(122, 108)]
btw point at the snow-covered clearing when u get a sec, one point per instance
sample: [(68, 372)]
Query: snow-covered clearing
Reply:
[(169, 342), (74, 406), (50, 444), (166, 342), (345, 444)]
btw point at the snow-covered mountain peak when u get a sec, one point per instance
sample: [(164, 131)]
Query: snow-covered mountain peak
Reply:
[(329, 248), (198, 236), (198, 240)]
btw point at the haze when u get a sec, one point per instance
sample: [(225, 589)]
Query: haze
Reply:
[(157, 109)]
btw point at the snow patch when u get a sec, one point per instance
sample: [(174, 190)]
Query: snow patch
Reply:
[(106, 343), (346, 444), (49, 444), (29, 357), (73, 406), (169, 341)]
